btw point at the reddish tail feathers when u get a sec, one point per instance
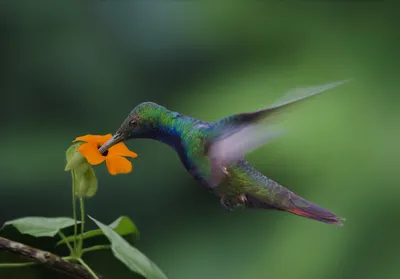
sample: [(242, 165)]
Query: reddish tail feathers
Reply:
[(315, 212), (299, 206)]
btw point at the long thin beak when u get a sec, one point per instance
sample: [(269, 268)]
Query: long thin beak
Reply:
[(111, 142)]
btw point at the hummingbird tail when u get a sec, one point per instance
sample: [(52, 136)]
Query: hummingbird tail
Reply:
[(314, 212), (299, 206)]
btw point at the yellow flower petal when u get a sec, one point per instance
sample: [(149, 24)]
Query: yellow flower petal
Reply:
[(99, 140), (120, 149), (91, 153), (116, 164)]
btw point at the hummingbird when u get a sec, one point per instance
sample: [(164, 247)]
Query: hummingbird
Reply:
[(213, 152)]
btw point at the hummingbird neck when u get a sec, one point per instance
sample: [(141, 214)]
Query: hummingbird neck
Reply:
[(178, 131), (169, 128)]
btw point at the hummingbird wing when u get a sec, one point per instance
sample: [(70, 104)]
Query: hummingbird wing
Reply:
[(238, 134)]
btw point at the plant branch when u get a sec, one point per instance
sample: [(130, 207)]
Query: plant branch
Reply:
[(47, 259)]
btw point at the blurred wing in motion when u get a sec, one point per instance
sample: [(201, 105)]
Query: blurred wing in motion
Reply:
[(238, 134)]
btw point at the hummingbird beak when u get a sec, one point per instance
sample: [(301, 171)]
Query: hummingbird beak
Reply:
[(117, 138)]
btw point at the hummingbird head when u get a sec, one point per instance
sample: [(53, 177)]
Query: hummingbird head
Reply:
[(140, 123)]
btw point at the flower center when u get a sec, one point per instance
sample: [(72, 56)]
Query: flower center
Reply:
[(105, 152)]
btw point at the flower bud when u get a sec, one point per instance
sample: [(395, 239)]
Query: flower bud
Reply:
[(85, 183), (75, 160)]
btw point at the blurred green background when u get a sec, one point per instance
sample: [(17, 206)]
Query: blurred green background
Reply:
[(69, 68)]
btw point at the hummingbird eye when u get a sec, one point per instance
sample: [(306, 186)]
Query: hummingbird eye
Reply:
[(133, 123)]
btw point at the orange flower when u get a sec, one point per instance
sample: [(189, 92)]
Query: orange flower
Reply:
[(115, 161)]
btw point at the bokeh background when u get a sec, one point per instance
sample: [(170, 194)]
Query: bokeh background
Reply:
[(69, 68)]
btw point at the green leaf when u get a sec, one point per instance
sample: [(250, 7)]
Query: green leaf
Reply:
[(122, 226), (129, 255), (40, 226)]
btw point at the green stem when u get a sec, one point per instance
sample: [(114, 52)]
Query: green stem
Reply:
[(95, 248), (88, 268), (69, 258), (82, 206), (7, 265), (74, 209), (71, 250)]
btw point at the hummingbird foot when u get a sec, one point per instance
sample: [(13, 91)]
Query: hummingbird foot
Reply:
[(230, 204), (242, 199), (227, 203)]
